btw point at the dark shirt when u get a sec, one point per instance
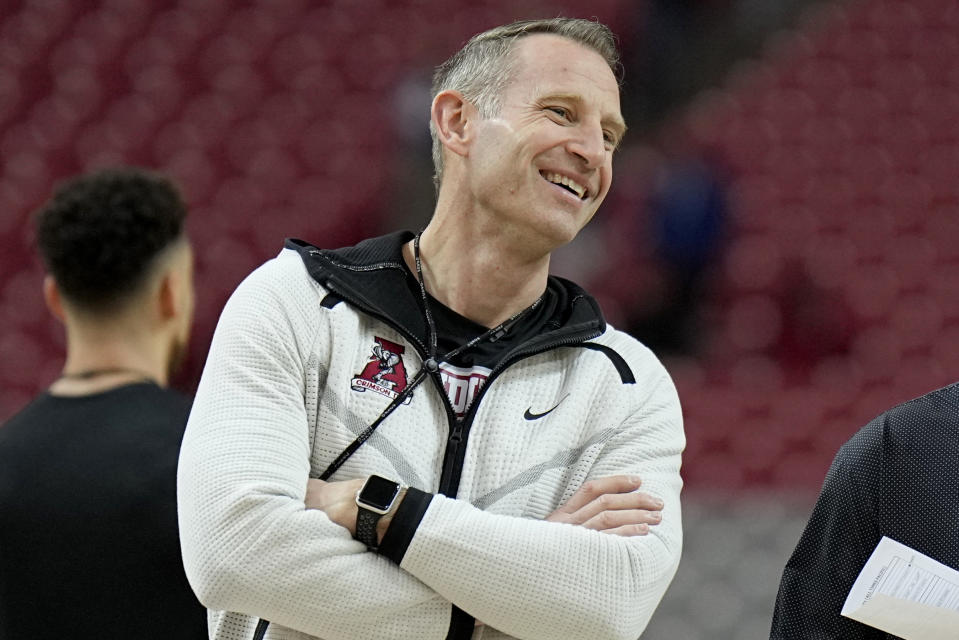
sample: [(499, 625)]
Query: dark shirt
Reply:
[(454, 330), (897, 477), (89, 546)]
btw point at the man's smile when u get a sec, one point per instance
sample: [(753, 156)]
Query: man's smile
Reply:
[(574, 187)]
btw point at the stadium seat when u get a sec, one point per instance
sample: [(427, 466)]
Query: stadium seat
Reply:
[(913, 257), (937, 163), (942, 230), (858, 51), (753, 263), (821, 80), (871, 291), (917, 319), (861, 108), (755, 202), (753, 322), (899, 80)]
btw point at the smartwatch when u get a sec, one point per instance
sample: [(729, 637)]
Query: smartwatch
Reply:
[(374, 500)]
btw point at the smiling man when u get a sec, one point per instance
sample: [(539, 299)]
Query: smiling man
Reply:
[(427, 435)]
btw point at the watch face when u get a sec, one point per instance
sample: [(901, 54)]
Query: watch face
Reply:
[(379, 493)]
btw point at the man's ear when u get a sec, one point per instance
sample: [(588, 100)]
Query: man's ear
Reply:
[(169, 294), (175, 287), (452, 116), (51, 295)]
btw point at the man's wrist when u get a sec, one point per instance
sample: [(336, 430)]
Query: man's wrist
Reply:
[(403, 524), (384, 523), (377, 499)]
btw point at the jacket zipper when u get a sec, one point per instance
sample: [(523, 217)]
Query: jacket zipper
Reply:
[(459, 435)]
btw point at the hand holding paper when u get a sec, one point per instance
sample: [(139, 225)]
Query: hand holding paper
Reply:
[(907, 593)]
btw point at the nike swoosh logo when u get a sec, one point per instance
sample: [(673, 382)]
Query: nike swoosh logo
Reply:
[(529, 415)]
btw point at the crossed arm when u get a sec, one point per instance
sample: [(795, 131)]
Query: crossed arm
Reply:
[(267, 557), (250, 546), (612, 505)]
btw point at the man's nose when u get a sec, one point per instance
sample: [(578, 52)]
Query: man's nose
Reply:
[(589, 144)]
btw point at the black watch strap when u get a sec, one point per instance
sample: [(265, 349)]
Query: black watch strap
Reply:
[(366, 527)]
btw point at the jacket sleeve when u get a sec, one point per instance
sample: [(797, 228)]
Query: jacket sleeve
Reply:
[(838, 539), (534, 579), (249, 544)]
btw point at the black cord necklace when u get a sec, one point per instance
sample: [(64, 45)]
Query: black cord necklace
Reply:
[(89, 374), (492, 335)]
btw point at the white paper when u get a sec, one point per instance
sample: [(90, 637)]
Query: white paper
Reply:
[(906, 593)]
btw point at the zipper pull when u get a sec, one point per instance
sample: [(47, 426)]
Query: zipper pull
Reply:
[(457, 435)]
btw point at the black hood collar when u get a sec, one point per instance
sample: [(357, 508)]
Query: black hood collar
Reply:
[(372, 275)]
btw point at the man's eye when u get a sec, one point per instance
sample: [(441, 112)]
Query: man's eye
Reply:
[(560, 111)]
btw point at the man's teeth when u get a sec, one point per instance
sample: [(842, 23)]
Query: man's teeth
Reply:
[(556, 178)]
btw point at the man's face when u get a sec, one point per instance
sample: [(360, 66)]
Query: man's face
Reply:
[(543, 166)]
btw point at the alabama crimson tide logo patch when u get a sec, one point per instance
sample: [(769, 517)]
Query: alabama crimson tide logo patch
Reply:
[(385, 373)]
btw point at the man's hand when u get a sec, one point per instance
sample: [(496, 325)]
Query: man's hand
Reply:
[(611, 505), (337, 499)]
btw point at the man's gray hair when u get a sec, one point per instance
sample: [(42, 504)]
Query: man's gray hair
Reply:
[(483, 67)]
